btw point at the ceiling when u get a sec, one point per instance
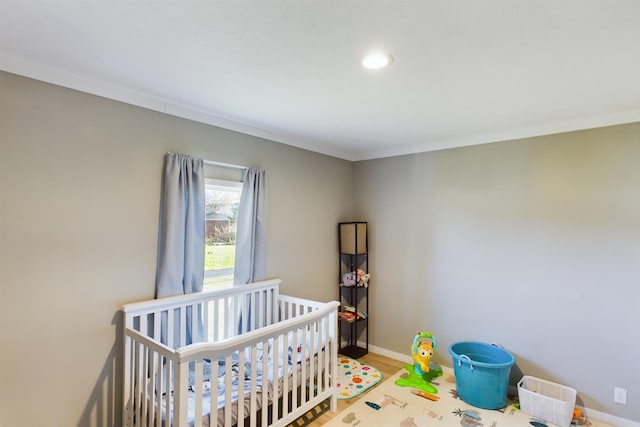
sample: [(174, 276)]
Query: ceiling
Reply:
[(463, 72)]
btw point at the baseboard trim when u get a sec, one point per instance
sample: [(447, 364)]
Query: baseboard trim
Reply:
[(608, 418), (591, 413), (403, 357)]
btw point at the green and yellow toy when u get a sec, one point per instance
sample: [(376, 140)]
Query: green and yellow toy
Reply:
[(422, 371)]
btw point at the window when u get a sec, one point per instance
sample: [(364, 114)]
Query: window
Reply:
[(222, 199)]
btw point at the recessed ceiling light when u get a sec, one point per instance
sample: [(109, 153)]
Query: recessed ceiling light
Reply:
[(376, 60)]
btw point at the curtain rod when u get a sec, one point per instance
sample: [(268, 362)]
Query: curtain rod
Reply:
[(220, 164), (223, 165)]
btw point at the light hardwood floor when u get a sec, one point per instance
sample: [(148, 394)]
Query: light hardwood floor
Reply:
[(321, 414)]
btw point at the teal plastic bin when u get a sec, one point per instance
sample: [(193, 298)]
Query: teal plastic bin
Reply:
[(482, 373)]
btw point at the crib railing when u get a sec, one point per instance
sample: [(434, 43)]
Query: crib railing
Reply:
[(166, 340), (206, 316), (308, 337)]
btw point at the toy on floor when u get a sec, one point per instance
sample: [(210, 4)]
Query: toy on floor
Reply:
[(422, 371)]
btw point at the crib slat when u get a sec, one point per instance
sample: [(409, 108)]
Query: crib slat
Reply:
[(283, 360), (157, 396), (156, 321), (191, 324), (234, 319), (241, 391), (142, 324), (254, 390), (198, 387), (139, 380), (151, 385), (144, 399), (180, 395), (199, 322), (228, 374), (269, 307), (318, 372), (294, 372), (265, 385), (303, 376), (237, 316), (213, 396), (312, 359), (253, 308), (167, 392), (170, 327), (323, 361), (275, 367), (205, 321), (183, 326), (129, 396), (216, 315), (276, 297), (288, 309)]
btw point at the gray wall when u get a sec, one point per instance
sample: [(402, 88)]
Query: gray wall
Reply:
[(533, 244), (79, 191)]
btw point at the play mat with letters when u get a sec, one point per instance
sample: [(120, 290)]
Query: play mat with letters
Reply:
[(389, 405), (354, 377)]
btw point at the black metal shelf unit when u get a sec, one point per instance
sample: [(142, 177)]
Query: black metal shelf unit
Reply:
[(353, 326)]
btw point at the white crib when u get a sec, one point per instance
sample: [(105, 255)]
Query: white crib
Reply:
[(257, 358)]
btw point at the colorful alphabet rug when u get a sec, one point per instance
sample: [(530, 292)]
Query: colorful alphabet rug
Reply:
[(389, 405), (354, 377)]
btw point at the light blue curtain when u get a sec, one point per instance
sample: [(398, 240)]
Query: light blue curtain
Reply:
[(181, 234), (250, 263)]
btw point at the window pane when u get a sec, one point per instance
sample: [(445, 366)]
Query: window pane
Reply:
[(222, 199)]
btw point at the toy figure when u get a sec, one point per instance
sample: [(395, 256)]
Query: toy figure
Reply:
[(363, 279), (421, 373), (349, 279), (422, 356)]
